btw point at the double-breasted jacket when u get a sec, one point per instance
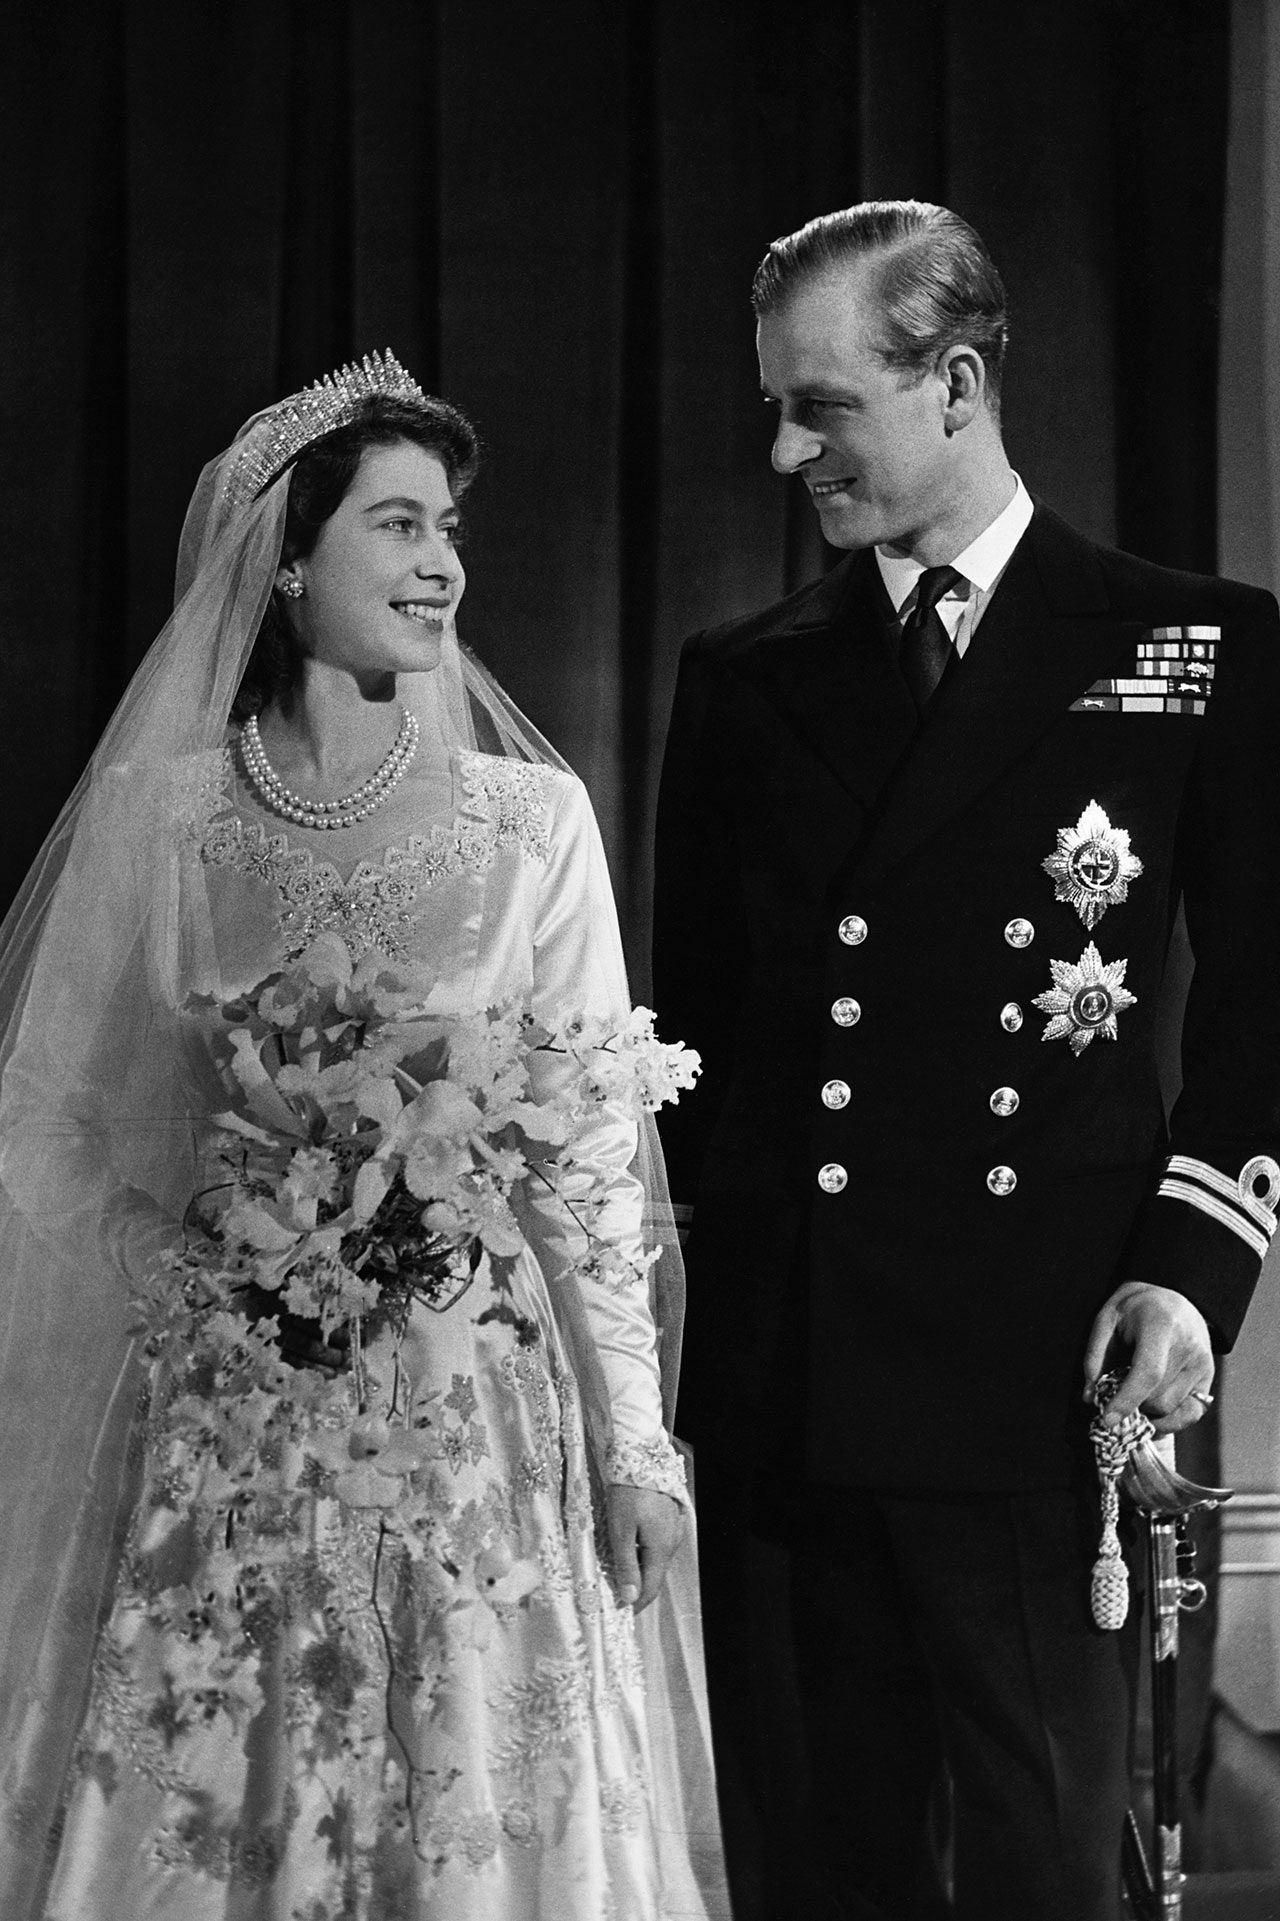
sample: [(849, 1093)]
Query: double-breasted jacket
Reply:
[(923, 962)]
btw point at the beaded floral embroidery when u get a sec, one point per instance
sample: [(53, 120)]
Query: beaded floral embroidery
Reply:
[(506, 808), (653, 1464)]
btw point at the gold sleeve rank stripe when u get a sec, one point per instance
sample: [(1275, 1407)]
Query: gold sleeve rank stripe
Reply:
[(1246, 1205)]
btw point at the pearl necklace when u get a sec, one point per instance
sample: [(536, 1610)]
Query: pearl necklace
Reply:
[(328, 813)]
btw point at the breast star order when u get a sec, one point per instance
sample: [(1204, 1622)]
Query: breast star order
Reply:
[(1092, 866), (1084, 1000)]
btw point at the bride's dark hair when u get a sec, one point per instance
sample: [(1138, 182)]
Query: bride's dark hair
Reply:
[(321, 475)]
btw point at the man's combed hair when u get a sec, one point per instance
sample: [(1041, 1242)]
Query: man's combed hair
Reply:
[(937, 285)]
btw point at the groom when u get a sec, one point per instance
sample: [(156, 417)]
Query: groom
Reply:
[(923, 832)]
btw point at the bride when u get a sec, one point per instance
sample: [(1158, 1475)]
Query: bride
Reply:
[(349, 1562)]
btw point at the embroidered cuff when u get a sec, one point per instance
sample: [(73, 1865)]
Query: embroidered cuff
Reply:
[(654, 1464), (1245, 1205)]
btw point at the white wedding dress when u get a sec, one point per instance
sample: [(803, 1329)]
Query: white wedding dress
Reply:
[(479, 1728)]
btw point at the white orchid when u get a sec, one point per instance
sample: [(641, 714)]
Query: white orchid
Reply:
[(368, 1157)]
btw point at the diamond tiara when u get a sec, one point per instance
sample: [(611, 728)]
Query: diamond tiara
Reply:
[(281, 435)]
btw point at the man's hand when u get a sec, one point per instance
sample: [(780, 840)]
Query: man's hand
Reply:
[(644, 1531), (1170, 1364)]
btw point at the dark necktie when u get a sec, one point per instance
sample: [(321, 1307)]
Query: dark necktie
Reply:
[(926, 644)]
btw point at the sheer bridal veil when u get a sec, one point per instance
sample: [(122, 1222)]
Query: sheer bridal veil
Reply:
[(98, 1135)]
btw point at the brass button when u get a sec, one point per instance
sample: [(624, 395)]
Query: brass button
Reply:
[(1019, 933), (1002, 1180), (852, 930), (832, 1178), (1004, 1102), (836, 1094), (1011, 1017), (845, 1012)]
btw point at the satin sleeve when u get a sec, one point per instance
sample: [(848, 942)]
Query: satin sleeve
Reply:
[(578, 967)]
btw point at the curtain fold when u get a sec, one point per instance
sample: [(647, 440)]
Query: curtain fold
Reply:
[(553, 216)]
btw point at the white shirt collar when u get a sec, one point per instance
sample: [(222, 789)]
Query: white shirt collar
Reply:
[(981, 563)]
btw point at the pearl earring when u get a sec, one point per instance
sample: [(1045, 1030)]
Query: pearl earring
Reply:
[(292, 588)]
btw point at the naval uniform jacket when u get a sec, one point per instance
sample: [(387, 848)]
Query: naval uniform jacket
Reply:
[(909, 1204)]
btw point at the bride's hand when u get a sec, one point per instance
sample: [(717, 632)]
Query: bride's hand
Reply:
[(644, 1532)]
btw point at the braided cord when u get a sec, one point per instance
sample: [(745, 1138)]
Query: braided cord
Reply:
[(1112, 1449)]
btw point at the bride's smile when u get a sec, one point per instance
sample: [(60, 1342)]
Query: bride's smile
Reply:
[(384, 577)]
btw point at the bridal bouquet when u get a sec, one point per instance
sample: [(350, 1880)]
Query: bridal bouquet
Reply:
[(368, 1159), (369, 1156)]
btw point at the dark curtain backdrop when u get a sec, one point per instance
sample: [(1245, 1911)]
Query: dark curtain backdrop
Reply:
[(552, 214)]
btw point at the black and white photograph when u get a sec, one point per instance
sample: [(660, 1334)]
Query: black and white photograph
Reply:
[(640, 976)]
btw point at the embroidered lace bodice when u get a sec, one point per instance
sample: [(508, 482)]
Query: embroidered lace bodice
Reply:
[(426, 1698), (505, 808), (482, 872)]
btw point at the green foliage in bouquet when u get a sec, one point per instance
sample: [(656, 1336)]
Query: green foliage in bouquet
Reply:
[(370, 1153), (369, 1158)]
